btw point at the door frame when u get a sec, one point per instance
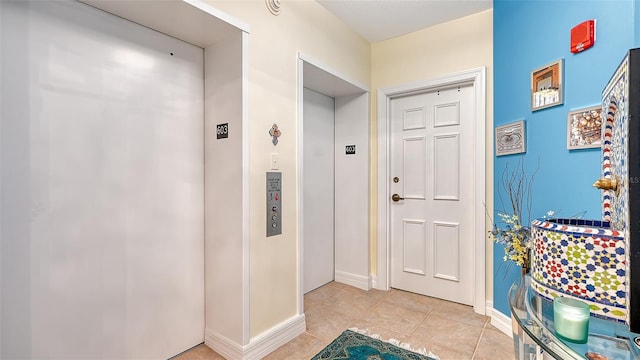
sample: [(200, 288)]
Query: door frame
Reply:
[(477, 77), (331, 82)]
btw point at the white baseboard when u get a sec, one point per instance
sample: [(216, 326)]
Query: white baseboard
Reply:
[(499, 320), (224, 346), (355, 280), (265, 343), (259, 346)]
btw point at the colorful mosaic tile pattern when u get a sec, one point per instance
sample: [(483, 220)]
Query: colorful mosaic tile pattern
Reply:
[(582, 262), (615, 157), (614, 149), (606, 159)]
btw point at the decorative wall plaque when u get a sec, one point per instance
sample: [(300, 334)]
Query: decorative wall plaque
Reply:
[(275, 134), (510, 138), (546, 86), (584, 128)]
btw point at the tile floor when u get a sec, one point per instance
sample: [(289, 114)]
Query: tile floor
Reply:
[(449, 330)]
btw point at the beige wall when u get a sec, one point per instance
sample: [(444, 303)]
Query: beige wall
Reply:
[(274, 43), (305, 27), (457, 45)]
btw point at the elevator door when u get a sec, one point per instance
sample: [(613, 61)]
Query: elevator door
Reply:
[(102, 186), (318, 189)]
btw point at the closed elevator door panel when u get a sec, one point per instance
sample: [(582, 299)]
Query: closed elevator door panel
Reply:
[(318, 189), (102, 186)]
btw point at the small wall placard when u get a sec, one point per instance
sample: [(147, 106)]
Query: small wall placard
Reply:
[(350, 149), (222, 131), (510, 138)]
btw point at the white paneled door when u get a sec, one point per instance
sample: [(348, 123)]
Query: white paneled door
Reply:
[(432, 183)]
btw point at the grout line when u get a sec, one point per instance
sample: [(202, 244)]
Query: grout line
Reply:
[(424, 317), (475, 349), (315, 350)]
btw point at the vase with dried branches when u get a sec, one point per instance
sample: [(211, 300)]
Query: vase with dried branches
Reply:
[(513, 231)]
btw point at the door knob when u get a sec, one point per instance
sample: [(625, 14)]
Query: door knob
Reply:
[(396, 197)]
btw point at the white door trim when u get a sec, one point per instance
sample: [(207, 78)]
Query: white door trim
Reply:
[(478, 77)]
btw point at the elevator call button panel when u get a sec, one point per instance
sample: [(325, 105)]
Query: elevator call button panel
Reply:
[(274, 203)]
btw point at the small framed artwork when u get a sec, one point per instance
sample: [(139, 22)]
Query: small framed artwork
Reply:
[(584, 128), (510, 138), (546, 86)]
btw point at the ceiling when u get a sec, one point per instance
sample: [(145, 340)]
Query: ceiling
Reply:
[(378, 20)]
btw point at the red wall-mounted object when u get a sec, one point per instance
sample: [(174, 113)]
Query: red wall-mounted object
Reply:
[(583, 36)]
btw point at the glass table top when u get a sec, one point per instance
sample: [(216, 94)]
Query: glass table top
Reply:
[(534, 314)]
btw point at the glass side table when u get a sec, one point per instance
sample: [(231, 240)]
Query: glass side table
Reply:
[(534, 338)]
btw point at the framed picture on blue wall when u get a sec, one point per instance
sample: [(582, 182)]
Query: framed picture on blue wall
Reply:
[(510, 138), (546, 86), (584, 128)]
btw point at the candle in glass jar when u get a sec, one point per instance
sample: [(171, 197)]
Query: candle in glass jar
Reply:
[(571, 319)]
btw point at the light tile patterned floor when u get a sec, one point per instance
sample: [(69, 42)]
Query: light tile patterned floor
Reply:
[(450, 330)]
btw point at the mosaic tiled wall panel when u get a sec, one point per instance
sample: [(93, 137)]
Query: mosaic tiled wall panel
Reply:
[(581, 259), (615, 149), (620, 161)]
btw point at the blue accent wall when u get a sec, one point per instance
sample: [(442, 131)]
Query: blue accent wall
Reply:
[(530, 34), (636, 5)]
